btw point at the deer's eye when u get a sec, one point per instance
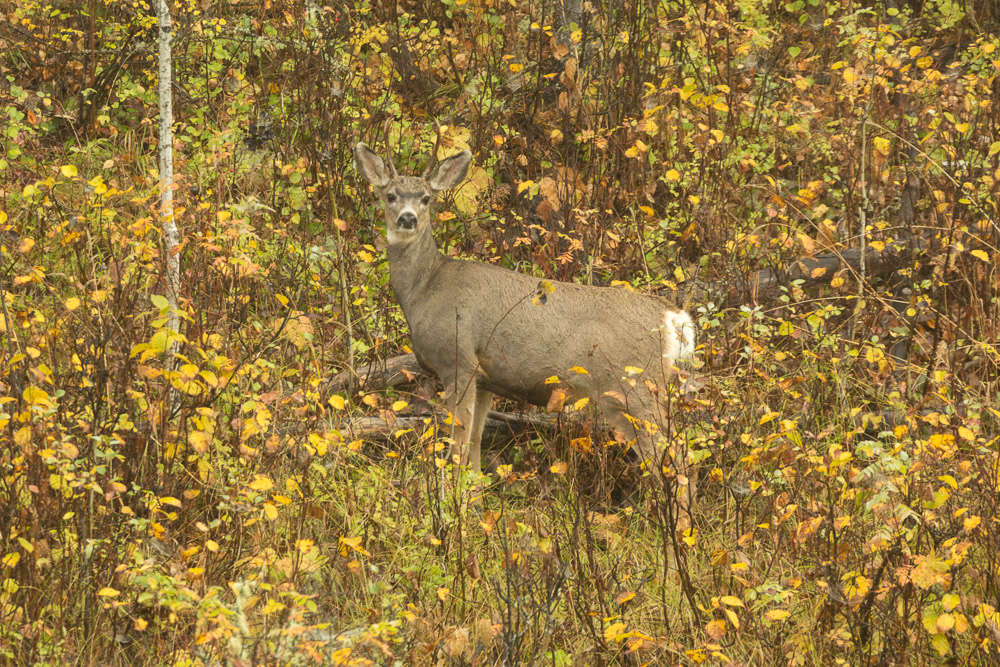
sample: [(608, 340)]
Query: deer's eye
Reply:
[(390, 197), (426, 200)]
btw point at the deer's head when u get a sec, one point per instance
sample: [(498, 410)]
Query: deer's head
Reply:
[(407, 200)]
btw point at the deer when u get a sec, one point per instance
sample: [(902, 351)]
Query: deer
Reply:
[(485, 330)]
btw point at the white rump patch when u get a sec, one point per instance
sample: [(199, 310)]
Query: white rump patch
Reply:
[(678, 335)]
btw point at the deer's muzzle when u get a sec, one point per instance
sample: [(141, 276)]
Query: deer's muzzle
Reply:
[(406, 221)]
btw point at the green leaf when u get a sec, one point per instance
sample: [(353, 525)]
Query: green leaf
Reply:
[(160, 340), (160, 301)]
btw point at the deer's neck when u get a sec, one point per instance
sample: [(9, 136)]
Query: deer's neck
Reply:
[(411, 266)]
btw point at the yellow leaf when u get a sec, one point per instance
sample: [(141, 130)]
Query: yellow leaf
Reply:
[(212, 545), (443, 593), (949, 480), (766, 418), (25, 244), (581, 403), (337, 402), (36, 396), (261, 483), (731, 601), (199, 441), (818, 272), (624, 597), (679, 275), (945, 622), (170, 500), (22, 437), (777, 614), (881, 145), (614, 632), (210, 378), (11, 559), (273, 606), (107, 592), (939, 641), (399, 405), (559, 468), (579, 369), (552, 379), (352, 542), (966, 433), (716, 629), (981, 255), (672, 175), (270, 511), (68, 170)]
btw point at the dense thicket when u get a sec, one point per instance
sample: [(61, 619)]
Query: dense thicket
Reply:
[(816, 179)]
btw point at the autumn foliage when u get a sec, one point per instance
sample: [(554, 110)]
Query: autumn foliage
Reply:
[(817, 180)]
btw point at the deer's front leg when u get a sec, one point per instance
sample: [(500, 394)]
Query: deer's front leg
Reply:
[(462, 404)]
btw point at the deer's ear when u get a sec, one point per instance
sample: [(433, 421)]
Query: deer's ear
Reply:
[(371, 166), (449, 172)]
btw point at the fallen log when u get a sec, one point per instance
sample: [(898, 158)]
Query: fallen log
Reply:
[(382, 374), (501, 427), (765, 285)]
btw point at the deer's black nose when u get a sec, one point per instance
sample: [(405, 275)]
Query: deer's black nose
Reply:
[(407, 221)]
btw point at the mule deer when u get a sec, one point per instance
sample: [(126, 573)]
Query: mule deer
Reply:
[(479, 329)]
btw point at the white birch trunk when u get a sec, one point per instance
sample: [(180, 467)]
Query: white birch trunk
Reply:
[(171, 237)]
